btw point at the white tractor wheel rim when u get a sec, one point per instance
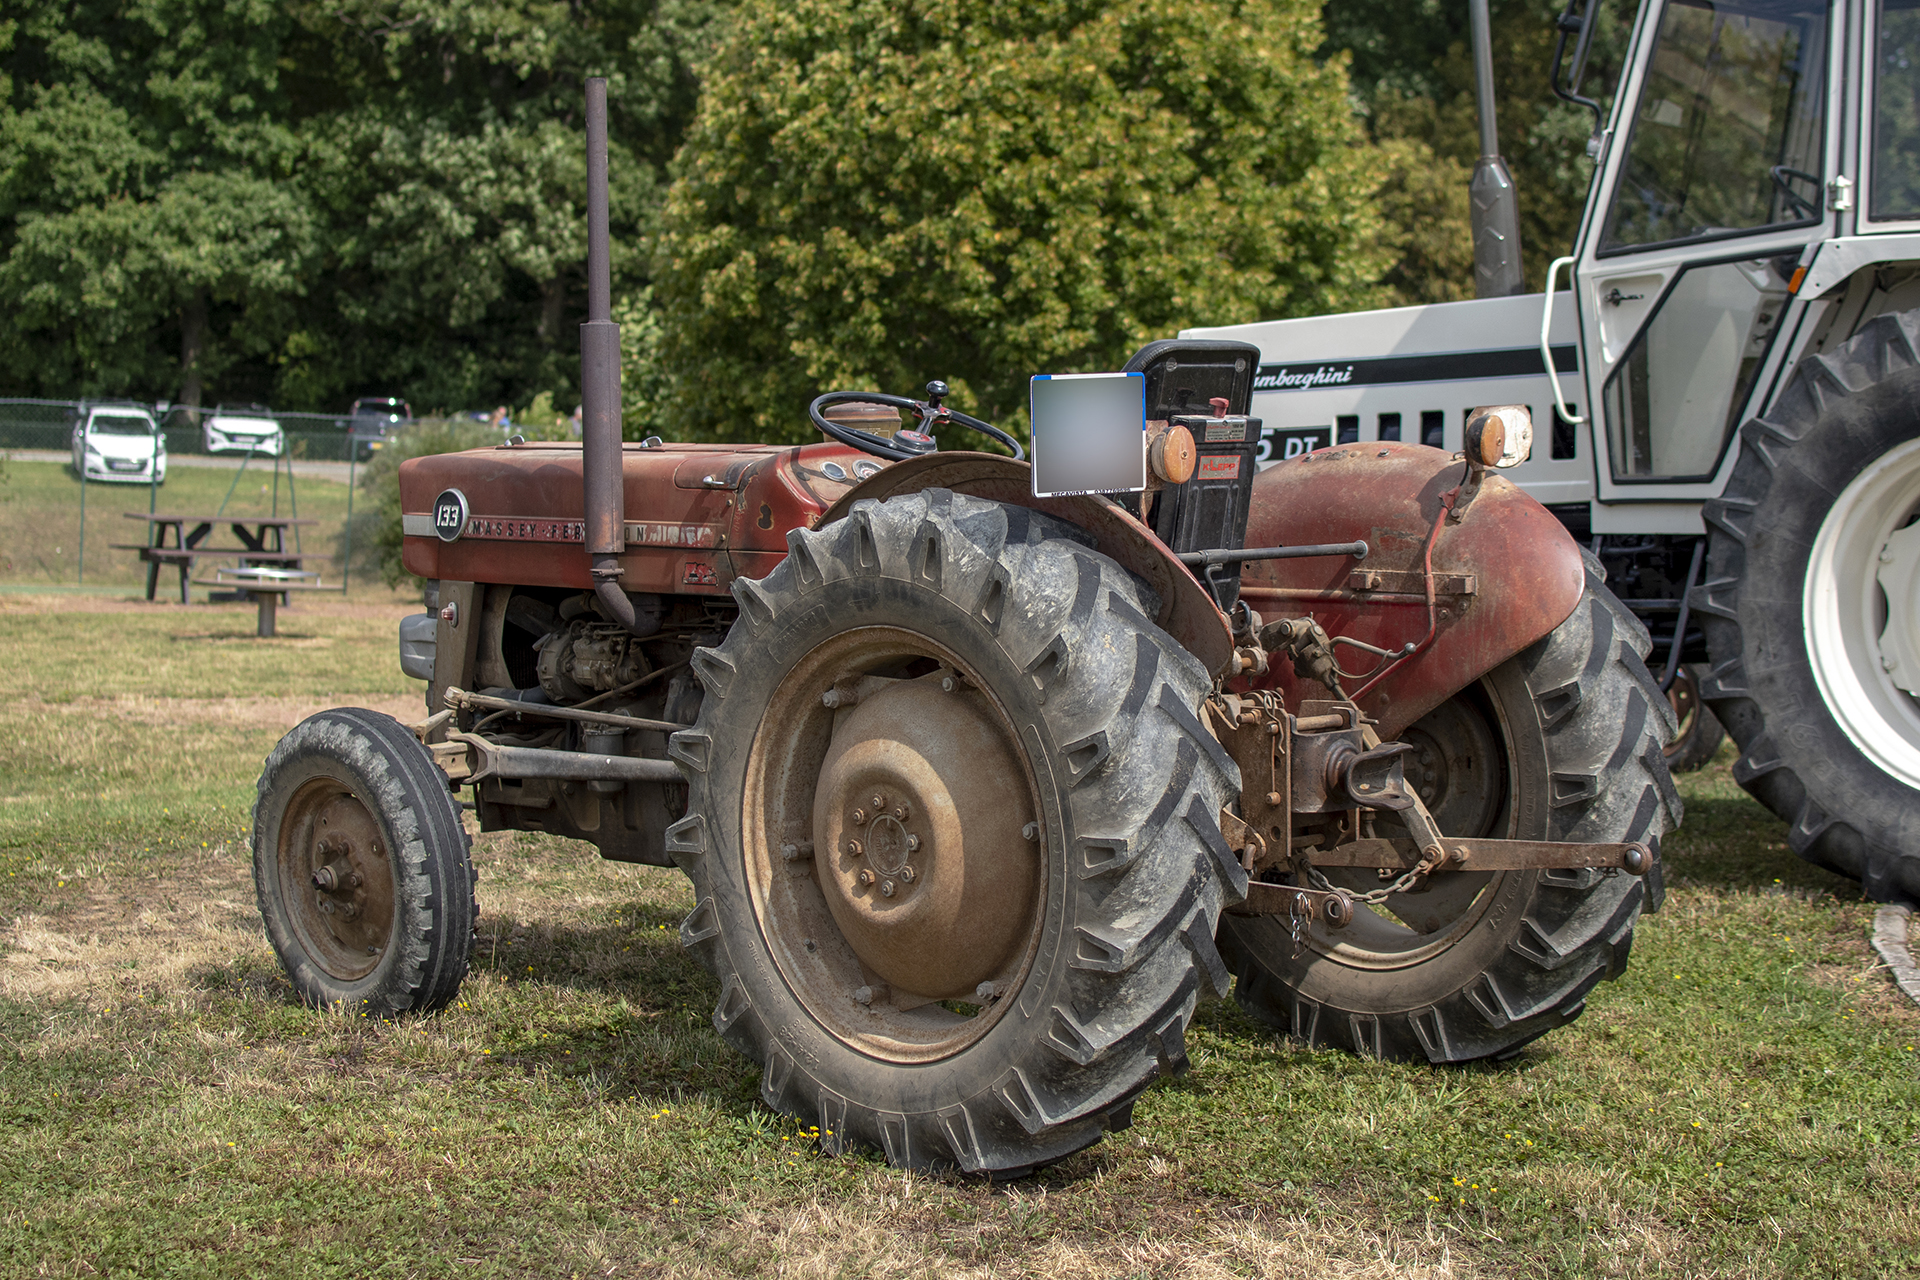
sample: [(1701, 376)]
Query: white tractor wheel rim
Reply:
[(1861, 597)]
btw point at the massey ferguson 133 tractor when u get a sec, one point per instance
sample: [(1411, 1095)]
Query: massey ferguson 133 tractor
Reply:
[(1733, 383), (979, 791)]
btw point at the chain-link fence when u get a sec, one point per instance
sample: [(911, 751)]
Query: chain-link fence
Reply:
[(313, 437)]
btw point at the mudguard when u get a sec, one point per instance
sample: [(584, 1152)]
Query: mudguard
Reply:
[(1505, 575), (1187, 612)]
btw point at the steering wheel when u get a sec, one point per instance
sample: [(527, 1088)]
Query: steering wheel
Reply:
[(1796, 203), (929, 415)]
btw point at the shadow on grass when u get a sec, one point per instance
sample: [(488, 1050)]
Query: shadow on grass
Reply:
[(1729, 841)]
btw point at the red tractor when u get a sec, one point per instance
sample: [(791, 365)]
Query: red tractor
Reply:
[(979, 791)]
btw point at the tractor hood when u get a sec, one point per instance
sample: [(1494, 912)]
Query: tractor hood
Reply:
[(697, 516)]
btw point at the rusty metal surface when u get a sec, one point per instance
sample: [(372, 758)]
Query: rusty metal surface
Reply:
[(918, 842), (844, 947), (527, 522), (338, 879), (1333, 908), (1526, 571), (1187, 612), (1254, 732), (1488, 855)]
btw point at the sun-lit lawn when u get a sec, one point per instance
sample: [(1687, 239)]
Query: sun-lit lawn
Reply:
[(1743, 1102)]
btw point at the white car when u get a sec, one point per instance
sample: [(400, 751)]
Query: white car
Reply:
[(119, 442), (242, 431)]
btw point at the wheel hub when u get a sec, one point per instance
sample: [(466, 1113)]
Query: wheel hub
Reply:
[(1858, 610), (335, 867), (1899, 577), (921, 806)]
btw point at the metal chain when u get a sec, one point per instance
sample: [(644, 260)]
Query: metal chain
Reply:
[(1373, 897)]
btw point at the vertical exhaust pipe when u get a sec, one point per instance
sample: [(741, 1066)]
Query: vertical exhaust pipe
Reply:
[(603, 468), (1496, 209)]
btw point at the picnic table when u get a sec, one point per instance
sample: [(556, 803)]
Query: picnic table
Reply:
[(180, 540), (266, 586)]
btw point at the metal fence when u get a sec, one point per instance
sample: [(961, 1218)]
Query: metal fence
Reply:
[(48, 424)]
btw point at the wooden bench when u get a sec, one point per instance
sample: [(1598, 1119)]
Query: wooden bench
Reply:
[(266, 587)]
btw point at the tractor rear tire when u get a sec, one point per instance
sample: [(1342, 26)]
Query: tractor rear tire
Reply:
[(961, 706), (362, 866), (1561, 742), (1809, 608)]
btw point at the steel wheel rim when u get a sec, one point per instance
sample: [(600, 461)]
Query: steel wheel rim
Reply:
[(1848, 628), (794, 899), (1454, 902), (336, 879)]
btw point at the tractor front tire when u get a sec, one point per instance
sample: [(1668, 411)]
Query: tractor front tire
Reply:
[(362, 866), (1811, 608), (1561, 742), (953, 835)]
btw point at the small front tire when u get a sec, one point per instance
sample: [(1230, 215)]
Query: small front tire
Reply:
[(362, 866)]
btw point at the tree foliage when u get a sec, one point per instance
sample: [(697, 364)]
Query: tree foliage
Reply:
[(877, 192), (1412, 67), (306, 200)]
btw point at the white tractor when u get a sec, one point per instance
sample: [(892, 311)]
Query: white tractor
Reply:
[(1728, 392)]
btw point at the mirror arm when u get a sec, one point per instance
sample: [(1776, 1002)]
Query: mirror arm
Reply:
[(1571, 93)]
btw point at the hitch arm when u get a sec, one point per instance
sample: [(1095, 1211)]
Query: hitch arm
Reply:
[(1486, 855)]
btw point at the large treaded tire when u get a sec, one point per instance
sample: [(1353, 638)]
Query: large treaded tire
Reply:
[(1838, 415), (1585, 725), (1129, 783), (350, 757)]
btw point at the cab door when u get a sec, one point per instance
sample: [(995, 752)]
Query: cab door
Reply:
[(1713, 183)]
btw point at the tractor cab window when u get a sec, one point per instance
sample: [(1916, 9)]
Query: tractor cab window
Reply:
[(1895, 189), (1728, 132)]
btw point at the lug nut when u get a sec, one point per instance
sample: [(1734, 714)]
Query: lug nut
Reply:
[(900, 812), (858, 817), (323, 879), (863, 995), (865, 876), (913, 842), (886, 888), (797, 852), (986, 991), (853, 847), (1030, 832), (908, 874), (879, 802), (948, 684)]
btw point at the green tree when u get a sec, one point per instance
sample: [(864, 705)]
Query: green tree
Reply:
[(307, 200), (876, 192), (145, 158), (1412, 68)]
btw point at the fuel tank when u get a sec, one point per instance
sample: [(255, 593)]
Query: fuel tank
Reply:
[(1505, 575), (697, 516)]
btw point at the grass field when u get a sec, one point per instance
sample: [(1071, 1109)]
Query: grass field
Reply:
[(1742, 1103), (40, 519)]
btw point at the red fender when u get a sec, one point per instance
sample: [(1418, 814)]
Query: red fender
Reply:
[(1187, 612), (1507, 574)]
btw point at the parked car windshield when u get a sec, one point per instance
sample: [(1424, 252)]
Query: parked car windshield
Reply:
[(1730, 125), (120, 424)]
